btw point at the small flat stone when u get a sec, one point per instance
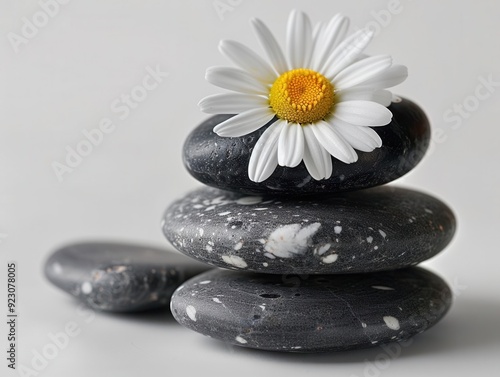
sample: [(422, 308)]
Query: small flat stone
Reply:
[(311, 313), (120, 277), (223, 162), (376, 229)]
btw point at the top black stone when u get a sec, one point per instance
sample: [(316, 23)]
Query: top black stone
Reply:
[(223, 162)]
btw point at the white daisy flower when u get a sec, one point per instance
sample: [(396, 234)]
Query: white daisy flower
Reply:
[(321, 100)]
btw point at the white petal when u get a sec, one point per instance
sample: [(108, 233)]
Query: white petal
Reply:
[(318, 31), (347, 53), (232, 103), (361, 138), (318, 37), (299, 40), (361, 71), (384, 97), (362, 113), (236, 80), (244, 123), (264, 158), (387, 79), (339, 24), (272, 48), (333, 142), (331, 37), (248, 60), (317, 160), (291, 145)]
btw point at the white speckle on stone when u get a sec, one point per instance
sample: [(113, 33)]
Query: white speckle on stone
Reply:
[(211, 208), (369, 239), (382, 233), (234, 260), (259, 209), (290, 240), (337, 229), (197, 206), (297, 347), (119, 269), (191, 312), (239, 339), (224, 213), (391, 322), (262, 307), (323, 249), (57, 268), (205, 282), (86, 288), (428, 210), (215, 299), (363, 324), (382, 288), (262, 241), (208, 248), (238, 246), (265, 264), (249, 200), (269, 255), (330, 258), (375, 248), (219, 200), (201, 232)]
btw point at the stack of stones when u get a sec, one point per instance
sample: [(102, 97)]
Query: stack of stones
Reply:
[(310, 266)]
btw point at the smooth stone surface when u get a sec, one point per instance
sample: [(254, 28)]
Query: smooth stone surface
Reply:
[(376, 229), (223, 162), (311, 313), (120, 277)]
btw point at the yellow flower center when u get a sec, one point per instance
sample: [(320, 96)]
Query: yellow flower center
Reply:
[(302, 96)]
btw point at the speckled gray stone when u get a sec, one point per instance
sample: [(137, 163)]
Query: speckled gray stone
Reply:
[(223, 162), (311, 313), (120, 277), (371, 230)]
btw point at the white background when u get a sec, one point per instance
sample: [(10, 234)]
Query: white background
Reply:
[(64, 79)]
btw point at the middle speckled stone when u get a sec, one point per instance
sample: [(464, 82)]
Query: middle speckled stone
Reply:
[(377, 229)]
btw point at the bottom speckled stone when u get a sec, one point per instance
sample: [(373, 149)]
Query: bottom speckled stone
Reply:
[(311, 313)]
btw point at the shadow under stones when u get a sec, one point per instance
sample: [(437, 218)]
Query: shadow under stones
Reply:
[(152, 316)]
